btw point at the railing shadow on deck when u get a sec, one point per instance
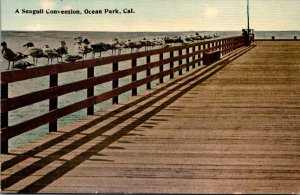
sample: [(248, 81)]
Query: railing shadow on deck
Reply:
[(197, 77)]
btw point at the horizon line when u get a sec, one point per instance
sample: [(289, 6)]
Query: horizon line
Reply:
[(151, 31)]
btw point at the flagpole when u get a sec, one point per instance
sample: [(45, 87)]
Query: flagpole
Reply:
[(248, 18)]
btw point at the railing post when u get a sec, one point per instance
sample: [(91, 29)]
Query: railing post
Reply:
[(90, 91), (115, 83), (225, 46), (194, 57), (53, 101), (187, 59), (133, 77), (148, 72), (199, 56), (171, 64), (180, 61), (4, 118), (204, 47), (161, 68)]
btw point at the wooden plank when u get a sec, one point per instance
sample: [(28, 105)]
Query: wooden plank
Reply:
[(182, 137)]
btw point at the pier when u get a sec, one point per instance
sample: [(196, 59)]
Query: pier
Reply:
[(229, 126)]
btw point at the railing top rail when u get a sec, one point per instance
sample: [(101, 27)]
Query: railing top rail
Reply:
[(19, 75)]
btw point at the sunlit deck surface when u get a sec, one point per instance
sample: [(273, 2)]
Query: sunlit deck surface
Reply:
[(231, 127)]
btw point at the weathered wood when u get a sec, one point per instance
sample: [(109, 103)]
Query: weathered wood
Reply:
[(58, 113), (53, 102), (90, 90), (180, 61), (54, 91), (187, 59), (194, 57), (4, 118), (148, 72), (27, 99), (115, 82), (232, 127), (171, 64), (133, 77), (161, 68)]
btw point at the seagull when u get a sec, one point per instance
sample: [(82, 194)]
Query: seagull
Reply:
[(73, 58), (51, 53), (62, 50), (83, 47), (35, 53), (11, 56), (100, 47), (136, 45), (117, 45), (22, 65), (86, 47)]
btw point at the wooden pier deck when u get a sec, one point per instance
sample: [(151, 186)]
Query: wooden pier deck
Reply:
[(231, 127)]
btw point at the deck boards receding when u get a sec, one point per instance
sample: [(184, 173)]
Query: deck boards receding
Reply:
[(227, 128)]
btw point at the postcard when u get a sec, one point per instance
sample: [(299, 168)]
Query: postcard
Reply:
[(150, 96)]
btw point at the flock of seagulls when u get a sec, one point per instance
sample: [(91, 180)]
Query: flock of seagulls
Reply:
[(83, 47)]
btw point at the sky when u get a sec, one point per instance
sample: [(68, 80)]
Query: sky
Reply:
[(153, 15)]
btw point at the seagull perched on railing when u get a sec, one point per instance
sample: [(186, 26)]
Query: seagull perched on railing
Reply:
[(73, 58), (35, 53), (99, 48), (134, 45), (117, 45), (11, 56), (22, 65), (51, 53), (62, 50), (83, 46)]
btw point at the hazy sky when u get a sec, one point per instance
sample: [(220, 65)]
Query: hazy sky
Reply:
[(153, 15)]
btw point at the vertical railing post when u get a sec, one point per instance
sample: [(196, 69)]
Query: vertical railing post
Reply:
[(53, 101), (115, 83), (180, 61), (199, 56), (225, 46), (194, 57), (4, 118), (204, 47), (161, 68), (171, 64), (187, 59), (148, 72), (133, 77), (90, 91)]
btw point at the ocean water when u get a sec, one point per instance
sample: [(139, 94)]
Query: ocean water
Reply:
[(16, 40)]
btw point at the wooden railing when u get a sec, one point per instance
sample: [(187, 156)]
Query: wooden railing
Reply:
[(192, 57)]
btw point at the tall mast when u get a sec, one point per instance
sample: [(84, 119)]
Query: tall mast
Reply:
[(248, 18)]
